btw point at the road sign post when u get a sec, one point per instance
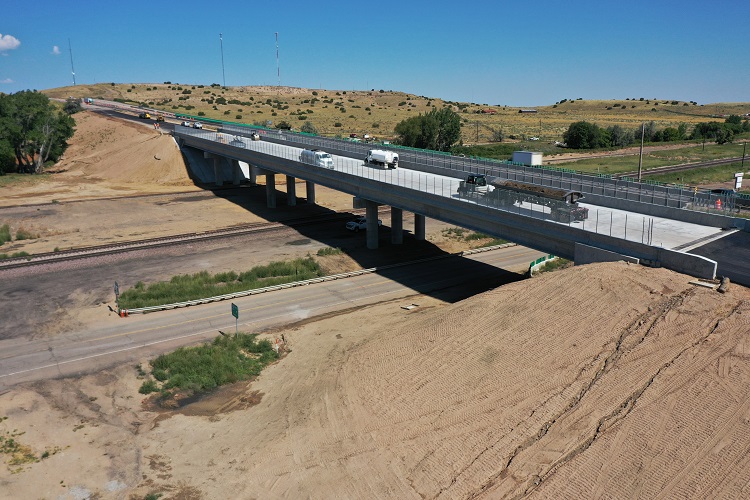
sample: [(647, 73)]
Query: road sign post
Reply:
[(117, 295), (236, 314)]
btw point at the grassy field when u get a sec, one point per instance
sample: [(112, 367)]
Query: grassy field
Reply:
[(376, 112)]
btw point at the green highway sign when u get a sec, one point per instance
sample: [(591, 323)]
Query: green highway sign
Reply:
[(235, 311)]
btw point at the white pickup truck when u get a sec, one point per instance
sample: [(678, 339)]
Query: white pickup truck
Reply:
[(359, 223)]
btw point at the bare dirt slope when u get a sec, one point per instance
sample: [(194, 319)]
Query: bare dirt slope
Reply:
[(512, 392)]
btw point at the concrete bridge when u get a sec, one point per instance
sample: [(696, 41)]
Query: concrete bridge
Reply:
[(611, 233)]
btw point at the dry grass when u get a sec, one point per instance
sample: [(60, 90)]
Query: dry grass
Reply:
[(377, 112)]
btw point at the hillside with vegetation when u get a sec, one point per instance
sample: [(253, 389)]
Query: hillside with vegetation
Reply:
[(377, 112)]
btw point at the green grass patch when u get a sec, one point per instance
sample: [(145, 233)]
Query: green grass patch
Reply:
[(698, 176), (329, 251), (22, 179), (14, 255), (688, 154), (554, 265), (4, 234), (195, 370), (17, 453), (203, 284), (461, 234)]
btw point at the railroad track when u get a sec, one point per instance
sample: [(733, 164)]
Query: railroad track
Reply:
[(129, 246), (679, 168)]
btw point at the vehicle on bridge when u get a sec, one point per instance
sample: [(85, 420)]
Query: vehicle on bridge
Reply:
[(563, 204), (382, 158), (359, 223), (254, 136), (316, 157), (144, 115)]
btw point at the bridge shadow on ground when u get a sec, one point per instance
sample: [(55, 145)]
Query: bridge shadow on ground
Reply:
[(440, 274)]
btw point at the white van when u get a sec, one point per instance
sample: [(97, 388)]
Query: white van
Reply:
[(316, 157)]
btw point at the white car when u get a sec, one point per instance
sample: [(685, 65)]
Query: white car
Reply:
[(185, 124), (198, 125), (359, 223)]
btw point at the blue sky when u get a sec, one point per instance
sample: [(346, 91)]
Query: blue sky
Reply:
[(522, 53)]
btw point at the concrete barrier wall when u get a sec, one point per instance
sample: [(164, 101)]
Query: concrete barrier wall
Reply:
[(701, 218)]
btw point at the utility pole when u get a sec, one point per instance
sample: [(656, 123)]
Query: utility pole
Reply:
[(72, 70), (640, 156), (221, 41), (744, 147)]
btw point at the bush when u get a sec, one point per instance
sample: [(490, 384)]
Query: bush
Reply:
[(23, 234), (201, 113), (238, 117), (4, 234), (302, 117), (337, 124), (329, 251), (148, 387)]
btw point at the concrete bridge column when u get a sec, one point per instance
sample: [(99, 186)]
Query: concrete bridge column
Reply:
[(310, 192), (371, 213), (397, 226), (236, 172), (419, 227), (253, 173), (270, 190), (291, 191), (217, 171)]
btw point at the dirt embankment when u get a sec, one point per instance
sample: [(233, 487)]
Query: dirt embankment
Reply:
[(511, 392)]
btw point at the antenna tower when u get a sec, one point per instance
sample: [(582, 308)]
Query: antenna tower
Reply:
[(278, 69), (72, 70)]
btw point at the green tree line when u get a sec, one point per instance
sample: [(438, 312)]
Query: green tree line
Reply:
[(437, 130), (586, 135), (33, 131)]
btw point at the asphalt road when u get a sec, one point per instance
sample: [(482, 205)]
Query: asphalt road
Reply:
[(115, 340)]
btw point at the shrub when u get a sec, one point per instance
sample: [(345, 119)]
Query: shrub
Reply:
[(329, 251), (201, 113), (337, 124), (238, 117), (23, 234), (4, 234), (302, 117), (148, 387)]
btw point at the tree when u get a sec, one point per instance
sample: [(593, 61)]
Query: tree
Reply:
[(308, 128), (282, 125), (34, 128), (438, 130), (582, 135)]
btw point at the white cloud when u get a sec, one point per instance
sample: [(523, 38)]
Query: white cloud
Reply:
[(7, 80), (8, 42), (56, 50)]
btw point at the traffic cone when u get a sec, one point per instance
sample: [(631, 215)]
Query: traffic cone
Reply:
[(718, 204)]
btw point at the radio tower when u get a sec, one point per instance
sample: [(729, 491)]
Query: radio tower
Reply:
[(224, 78), (72, 70), (278, 69)]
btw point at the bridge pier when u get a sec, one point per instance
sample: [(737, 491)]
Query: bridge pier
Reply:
[(397, 226), (253, 173), (270, 190), (236, 172), (218, 180), (419, 227), (371, 212), (310, 186), (291, 191)]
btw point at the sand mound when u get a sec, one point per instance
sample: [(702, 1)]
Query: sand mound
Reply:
[(109, 157)]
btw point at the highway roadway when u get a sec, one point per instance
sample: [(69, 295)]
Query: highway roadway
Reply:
[(113, 340)]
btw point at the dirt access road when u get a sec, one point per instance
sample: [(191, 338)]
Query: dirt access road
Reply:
[(608, 380)]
